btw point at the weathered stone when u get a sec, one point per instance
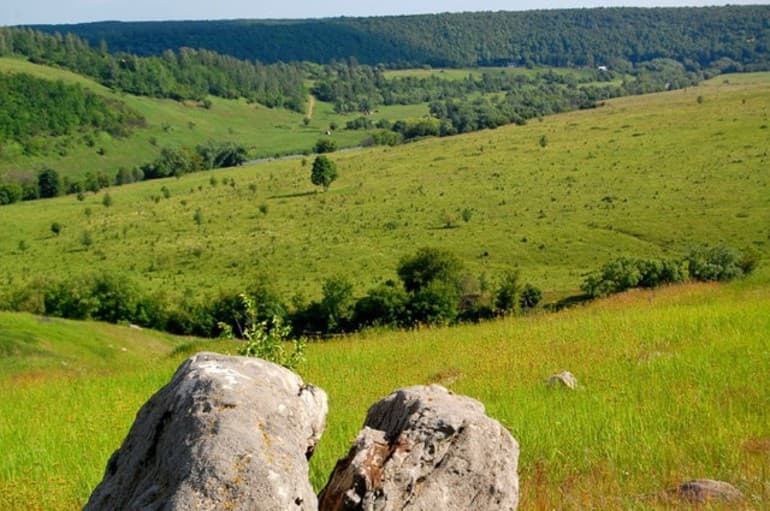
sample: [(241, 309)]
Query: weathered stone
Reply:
[(564, 378), (701, 491), (424, 448), (225, 433)]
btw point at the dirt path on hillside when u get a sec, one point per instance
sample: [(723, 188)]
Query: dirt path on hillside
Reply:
[(310, 107)]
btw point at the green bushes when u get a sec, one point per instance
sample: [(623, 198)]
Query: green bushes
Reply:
[(714, 264), (433, 290), (101, 297), (700, 264), (10, 193)]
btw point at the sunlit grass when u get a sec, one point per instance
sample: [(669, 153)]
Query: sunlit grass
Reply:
[(645, 176), (671, 388)]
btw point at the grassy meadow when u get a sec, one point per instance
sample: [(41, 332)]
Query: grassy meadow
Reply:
[(264, 131), (672, 380), (671, 388), (645, 176)]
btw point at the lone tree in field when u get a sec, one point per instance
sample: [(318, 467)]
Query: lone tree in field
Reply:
[(324, 172), (49, 184)]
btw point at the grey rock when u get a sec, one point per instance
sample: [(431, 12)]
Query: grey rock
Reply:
[(701, 491), (425, 448), (225, 433), (565, 378)]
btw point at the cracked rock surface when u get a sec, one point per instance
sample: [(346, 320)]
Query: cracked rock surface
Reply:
[(425, 448), (225, 433)]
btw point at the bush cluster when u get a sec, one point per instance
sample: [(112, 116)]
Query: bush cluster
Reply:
[(703, 264), (433, 289)]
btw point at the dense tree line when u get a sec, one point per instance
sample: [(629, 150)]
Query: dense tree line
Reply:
[(32, 108), (182, 73), (434, 289), (733, 36)]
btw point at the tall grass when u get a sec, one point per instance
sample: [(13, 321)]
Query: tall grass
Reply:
[(671, 388)]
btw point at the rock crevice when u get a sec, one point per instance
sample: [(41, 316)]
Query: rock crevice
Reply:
[(426, 448)]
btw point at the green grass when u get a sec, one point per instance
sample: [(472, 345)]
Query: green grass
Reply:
[(67, 390), (643, 176), (671, 388), (266, 132)]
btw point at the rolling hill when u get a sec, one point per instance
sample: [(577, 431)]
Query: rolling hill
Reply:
[(642, 176), (264, 131)]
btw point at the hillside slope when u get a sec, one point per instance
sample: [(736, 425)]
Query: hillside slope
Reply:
[(33, 344), (263, 130), (642, 176)]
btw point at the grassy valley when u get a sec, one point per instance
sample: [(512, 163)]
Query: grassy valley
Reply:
[(642, 176), (266, 132)]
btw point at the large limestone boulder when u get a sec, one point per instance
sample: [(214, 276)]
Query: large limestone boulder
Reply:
[(225, 433), (425, 448)]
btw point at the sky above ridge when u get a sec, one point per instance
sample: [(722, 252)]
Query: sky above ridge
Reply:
[(28, 12)]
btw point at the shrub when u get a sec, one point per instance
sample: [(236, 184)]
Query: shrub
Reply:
[(384, 305), (337, 304), (701, 263), (386, 137), (86, 239), (508, 294), (325, 145), (268, 339), (102, 297), (714, 264), (657, 272), (324, 172), (49, 183), (428, 265), (10, 193), (436, 303), (614, 277), (530, 297), (361, 123), (749, 260)]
